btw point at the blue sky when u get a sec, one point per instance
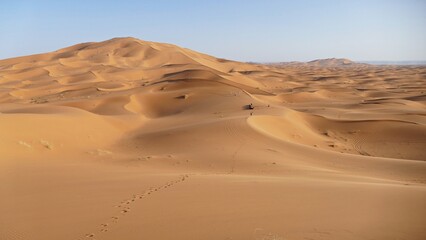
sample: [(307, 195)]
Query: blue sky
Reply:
[(240, 30)]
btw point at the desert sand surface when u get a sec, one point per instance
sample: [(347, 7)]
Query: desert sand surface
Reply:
[(129, 139)]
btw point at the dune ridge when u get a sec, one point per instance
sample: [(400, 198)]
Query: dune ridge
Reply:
[(125, 138)]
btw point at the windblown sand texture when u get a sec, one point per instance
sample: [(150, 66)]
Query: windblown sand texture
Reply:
[(128, 139)]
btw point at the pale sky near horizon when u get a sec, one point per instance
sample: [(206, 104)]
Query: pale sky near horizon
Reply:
[(263, 31)]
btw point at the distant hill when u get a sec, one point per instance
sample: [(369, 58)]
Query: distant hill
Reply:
[(331, 62), (328, 62), (397, 63)]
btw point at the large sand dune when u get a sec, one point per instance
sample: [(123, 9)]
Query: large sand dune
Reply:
[(128, 139)]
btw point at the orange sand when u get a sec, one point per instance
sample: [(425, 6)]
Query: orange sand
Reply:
[(128, 139)]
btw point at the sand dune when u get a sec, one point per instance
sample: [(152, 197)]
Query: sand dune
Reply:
[(129, 139)]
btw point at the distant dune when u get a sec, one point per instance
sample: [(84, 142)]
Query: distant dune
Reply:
[(398, 63), (130, 139), (329, 62)]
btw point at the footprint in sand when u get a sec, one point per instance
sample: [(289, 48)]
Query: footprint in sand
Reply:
[(46, 144), (25, 144), (90, 235), (125, 210)]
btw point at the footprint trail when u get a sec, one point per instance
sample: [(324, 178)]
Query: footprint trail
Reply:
[(125, 206)]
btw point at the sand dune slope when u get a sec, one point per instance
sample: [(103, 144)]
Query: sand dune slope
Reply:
[(129, 139)]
